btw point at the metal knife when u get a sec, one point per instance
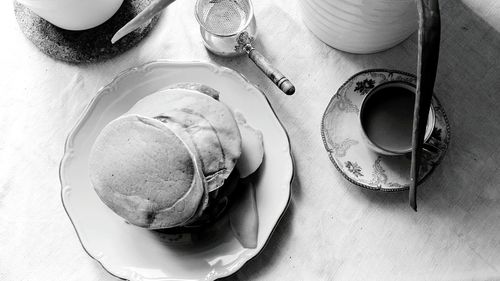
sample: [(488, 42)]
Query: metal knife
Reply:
[(144, 16)]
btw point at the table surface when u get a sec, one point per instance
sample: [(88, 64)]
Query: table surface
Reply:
[(332, 229)]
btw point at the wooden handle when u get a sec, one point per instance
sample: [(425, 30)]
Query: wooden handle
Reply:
[(428, 55), (274, 74)]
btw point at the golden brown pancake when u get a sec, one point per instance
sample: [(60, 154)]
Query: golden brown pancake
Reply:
[(197, 87), (215, 137), (146, 173), (170, 161)]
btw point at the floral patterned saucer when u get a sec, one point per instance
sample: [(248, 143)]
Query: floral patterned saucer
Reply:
[(341, 132)]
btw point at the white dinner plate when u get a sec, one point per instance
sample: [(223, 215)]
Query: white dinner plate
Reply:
[(134, 253)]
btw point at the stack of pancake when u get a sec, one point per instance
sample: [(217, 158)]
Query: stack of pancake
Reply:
[(173, 158)]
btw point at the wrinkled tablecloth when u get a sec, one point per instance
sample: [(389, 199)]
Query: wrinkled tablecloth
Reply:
[(332, 230)]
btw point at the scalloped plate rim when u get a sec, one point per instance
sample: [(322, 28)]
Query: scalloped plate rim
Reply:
[(86, 113)]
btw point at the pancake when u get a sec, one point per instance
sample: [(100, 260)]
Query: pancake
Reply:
[(182, 134), (197, 87), (252, 147), (213, 131), (219, 201), (146, 173)]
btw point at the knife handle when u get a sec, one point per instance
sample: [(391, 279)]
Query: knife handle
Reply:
[(428, 56)]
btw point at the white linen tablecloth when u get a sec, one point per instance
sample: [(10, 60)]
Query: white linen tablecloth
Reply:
[(332, 229)]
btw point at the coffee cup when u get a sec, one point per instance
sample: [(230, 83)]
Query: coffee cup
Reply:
[(386, 118)]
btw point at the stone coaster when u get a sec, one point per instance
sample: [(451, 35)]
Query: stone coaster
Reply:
[(85, 46)]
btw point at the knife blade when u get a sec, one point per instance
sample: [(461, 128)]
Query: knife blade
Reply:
[(144, 16)]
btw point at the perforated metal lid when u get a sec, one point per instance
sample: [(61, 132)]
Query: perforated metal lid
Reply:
[(224, 17)]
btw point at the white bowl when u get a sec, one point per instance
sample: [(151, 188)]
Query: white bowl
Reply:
[(358, 26), (74, 14), (371, 21)]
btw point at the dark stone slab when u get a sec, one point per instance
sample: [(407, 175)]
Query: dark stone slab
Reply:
[(85, 46)]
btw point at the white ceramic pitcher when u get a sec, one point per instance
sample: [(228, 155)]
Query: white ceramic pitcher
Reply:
[(74, 14), (360, 26)]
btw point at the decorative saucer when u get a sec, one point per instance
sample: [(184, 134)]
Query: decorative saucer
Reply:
[(341, 132)]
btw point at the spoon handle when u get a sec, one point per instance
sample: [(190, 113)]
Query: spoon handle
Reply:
[(273, 73), (428, 54)]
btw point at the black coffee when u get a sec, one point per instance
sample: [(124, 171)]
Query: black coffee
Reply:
[(387, 118)]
